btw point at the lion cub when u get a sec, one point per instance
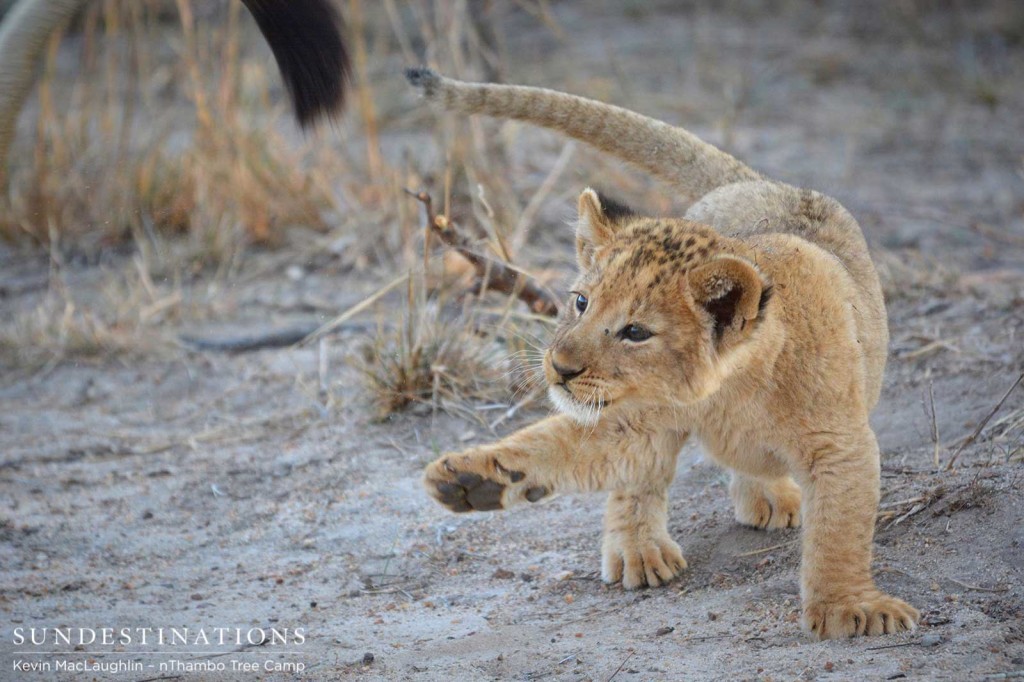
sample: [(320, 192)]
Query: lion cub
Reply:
[(755, 323)]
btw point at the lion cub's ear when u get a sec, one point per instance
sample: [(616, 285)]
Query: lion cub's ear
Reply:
[(733, 292), (599, 218)]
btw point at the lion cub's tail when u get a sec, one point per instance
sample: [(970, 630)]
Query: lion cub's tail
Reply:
[(670, 153)]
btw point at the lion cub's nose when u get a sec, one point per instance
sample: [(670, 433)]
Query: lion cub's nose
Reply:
[(566, 374)]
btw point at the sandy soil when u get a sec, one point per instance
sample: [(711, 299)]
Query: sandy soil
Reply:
[(193, 489)]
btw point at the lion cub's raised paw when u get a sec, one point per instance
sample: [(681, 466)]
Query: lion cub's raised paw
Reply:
[(640, 563), (874, 614), (478, 480)]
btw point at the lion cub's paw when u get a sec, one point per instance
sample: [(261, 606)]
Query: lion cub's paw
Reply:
[(478, 480), (637, 563), (876, 614), (767, 505)]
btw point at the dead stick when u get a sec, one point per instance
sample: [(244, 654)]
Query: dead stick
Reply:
[(984, 422), (621, 666), (493, 274), (935, 425)]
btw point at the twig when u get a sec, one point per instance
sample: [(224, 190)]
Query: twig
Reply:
[(916, 509), (901, 503), (354, 310), (707, 638), (493, 274), (938, 344), (621, 666), (765, 549), (891, 646), (977, 588), (935, 425), (984, 422), (522, 229)]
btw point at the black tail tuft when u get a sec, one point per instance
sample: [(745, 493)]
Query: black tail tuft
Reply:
[(306, 37), (424, 78)]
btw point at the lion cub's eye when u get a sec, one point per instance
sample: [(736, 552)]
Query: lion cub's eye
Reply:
[(581, 302), (635, 333)]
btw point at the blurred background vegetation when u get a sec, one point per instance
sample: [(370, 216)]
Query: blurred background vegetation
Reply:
[(156, 172)]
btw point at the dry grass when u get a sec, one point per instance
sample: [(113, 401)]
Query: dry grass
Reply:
[(121, 321), (164, 141), (477, 355), (106, 166), (442, 355)]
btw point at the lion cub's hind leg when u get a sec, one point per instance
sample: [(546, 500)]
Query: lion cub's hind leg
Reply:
[(765, 503)]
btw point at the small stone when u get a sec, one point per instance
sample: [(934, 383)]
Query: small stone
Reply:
[(931, 639), (197, 597), (829, 666), (503, 574), (662, 631), (368, 658), (712, 615)]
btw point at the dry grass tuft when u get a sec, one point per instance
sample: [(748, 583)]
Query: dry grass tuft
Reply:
[(440, 357), (58, 328)]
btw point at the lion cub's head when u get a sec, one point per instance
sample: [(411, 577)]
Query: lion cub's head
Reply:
[(657, 312)]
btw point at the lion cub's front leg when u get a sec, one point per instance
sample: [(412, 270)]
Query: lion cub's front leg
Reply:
[(486, 478), (636, 548), (841, 501), (557, 455), (526, 466)]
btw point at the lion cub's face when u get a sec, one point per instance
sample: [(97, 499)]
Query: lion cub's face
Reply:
[(658, 306)]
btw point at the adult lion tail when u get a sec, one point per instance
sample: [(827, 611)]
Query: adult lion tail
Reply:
[(306, 37), (671, 153)]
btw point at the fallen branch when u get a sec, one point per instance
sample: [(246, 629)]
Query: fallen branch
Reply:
[(274, 338), (492, 274), (984, 422)]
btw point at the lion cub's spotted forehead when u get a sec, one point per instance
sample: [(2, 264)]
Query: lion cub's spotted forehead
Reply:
[(648, 252)]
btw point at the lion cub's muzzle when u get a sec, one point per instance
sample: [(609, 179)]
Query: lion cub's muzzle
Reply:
[(560, 369)]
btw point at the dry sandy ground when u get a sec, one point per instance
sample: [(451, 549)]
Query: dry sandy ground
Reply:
[(187, 489)]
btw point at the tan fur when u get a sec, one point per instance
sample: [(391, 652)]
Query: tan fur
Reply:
[(769, 344)]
